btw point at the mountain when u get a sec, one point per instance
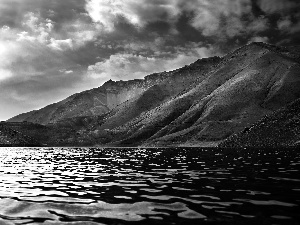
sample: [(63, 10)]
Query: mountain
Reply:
[(58, 134), (101, 100), (280, 129), (247, 84), (202, 103), (9, 137)]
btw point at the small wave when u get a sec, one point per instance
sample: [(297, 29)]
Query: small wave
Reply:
[(17, 210), (268, 202)]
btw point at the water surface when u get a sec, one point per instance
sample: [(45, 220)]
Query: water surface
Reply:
[(149, 186)]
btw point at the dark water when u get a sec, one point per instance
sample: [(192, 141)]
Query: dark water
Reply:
[(149, 186)]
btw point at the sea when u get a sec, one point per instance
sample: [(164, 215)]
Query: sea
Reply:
[(87, 186)]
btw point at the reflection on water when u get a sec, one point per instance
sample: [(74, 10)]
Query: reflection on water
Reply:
[(149, 186)]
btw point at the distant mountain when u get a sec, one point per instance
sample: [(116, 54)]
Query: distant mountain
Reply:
[(202, 103), (10, 137), (280, 129), (88, 103)]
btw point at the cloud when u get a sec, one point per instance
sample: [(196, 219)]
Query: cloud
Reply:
[(257, 25), (52, 29), (37, 29), (13, 11), (204, 17), (233, 27), (287, 25), (47, 46), (41, 30), (127, 66), (221, 19), (207, 15), (81, 31), (29, 69), (9, 50), (60, 44), (210, 16), (284, 23), (138, 13), (75, 34), (259, 39), (34, 47), (40, 91), (107, 12), (122, 66), (5, 74), (278, 6), (69, 71), (25, 36), (25, 58)]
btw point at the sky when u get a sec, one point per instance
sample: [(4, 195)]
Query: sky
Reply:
[(51, 49)]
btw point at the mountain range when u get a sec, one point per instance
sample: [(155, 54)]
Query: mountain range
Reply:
[(226, 101)]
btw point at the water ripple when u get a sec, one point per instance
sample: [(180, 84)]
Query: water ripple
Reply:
[(148, 186)]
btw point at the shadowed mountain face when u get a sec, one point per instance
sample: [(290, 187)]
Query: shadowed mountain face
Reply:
[(10, 137), (280, 129), (205, 102)]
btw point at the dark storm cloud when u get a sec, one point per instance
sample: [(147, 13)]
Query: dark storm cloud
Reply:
[(279, 6), (12, 11), (36, 71)]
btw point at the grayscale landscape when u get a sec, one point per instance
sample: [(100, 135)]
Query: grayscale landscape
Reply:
[(149, 112)]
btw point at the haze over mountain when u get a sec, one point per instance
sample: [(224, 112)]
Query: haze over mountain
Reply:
[(200, 104)]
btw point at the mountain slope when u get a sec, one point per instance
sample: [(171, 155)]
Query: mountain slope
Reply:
[(248, 84), (66, 133), (280, 129), (101, 100), (10, 137), (205, 102), (86, 103)]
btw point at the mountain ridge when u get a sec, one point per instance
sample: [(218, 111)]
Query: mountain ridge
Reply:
[(204, 102), (100, 100), (169, 133)]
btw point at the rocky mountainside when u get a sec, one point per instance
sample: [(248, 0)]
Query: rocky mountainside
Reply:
[(10, 137), (101, 100), (280, 129), (203, 103), (247, 84)]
